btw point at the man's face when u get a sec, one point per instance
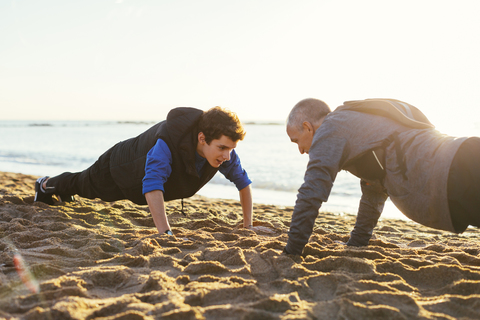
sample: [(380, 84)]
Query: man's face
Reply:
[(301, 136), (217, 152)]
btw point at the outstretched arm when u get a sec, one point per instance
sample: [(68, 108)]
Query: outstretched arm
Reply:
[(326, 154), (157, 209), (371, 207), (233, 171), (247, 206)]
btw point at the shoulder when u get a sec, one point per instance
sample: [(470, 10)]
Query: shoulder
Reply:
[(352, 124), (160, 150), (162, 145)]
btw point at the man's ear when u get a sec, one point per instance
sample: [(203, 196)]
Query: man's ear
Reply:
[(307, 126), (201, 138)]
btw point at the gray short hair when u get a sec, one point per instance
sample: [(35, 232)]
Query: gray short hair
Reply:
[(310, 109)]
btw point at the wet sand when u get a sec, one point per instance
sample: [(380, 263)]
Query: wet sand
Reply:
[(104, 260)]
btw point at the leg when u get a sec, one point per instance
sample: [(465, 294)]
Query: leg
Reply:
[(464, 186), (94, 182)]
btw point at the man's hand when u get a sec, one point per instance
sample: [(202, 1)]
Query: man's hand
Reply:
[(261, 229)]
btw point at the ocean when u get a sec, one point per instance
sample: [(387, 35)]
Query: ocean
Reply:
[(271, 160)]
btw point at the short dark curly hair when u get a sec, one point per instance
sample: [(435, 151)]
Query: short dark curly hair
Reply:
[(219, 121)]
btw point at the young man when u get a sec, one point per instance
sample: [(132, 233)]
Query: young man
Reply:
[(171, 160), (434, 179)]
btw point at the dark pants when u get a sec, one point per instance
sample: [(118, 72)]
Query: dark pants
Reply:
[(91, 183), (464, 186)]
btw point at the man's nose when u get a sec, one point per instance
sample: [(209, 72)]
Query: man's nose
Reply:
[(301, 150), (226, 155)]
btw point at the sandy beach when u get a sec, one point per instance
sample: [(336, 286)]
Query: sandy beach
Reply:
[(92, 259)]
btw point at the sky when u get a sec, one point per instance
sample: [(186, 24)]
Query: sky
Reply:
[(136, 60)]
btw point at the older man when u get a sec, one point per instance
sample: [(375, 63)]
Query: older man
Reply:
[(434, 179)]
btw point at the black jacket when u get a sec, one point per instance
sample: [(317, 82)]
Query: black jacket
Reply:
[(180, 132)]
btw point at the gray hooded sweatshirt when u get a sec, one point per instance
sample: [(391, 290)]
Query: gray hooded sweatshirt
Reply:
[(417, 187)]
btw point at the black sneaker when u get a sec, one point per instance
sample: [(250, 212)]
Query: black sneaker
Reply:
[(65, 198), (41, 194)]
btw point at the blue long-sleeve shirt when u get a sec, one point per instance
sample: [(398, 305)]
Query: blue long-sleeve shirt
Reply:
[(158, 168)]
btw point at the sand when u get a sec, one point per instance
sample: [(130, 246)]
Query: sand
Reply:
[(104, 260)]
